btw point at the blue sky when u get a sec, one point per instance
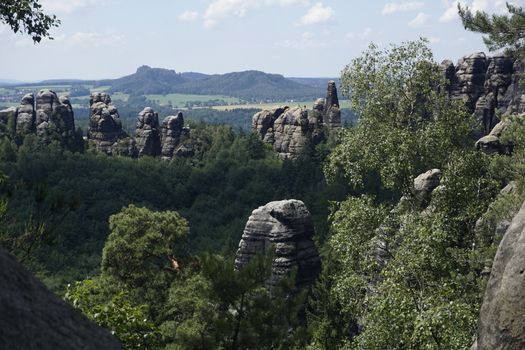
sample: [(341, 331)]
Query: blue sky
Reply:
[(304, 38)]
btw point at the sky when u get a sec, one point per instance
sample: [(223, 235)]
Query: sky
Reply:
[(100, 39)]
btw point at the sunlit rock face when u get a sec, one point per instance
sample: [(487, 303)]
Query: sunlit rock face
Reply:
[(487, 85), (285, 228), (147, 133), (105, 132)]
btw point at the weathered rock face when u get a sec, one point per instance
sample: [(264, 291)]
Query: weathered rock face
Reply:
[(105, 131), (332, 111), (32, 317), (147, 134), (502, 317), (288, 130), (171, 132), (425, 183), (286, 227), (492, 143), (26, 117), (8, 121), (54, 117), (487, 85)]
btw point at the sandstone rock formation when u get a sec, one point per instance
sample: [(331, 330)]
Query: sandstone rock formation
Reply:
[(424, 184), (105, 131), (26, 116), (286, 227), (172, 132), (332, 111), (8, 121), (487, 85), (54, 117), (288, 130), (147, 134), (32, 317), (502, 317), (492, 143)]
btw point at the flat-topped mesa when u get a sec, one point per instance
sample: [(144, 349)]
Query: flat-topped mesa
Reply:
[(105, 131), (147, 134), (487, 85), (172, 131), (332, 111), (286, 227), (54, 118)]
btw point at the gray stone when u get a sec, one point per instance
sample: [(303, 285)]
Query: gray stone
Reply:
[(502, 317), (171, 132), (105, 127), (147, 133), (32, 317), (54, 118), (332, 111), (425, 183), (286, 227), (26, 118)]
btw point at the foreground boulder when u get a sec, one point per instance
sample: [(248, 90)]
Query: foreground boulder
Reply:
[(286, 227), (32, 317), (502, 317)]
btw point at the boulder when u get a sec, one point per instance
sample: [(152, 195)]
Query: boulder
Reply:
[(425, 183), (492, 143), (32, 317), (147, 133), (502, 316), (286, 228)]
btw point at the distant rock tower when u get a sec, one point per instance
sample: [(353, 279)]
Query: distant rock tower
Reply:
[(147, 134)]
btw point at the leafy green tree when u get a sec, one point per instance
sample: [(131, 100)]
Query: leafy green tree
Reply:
[(407, 124), (143, 245), (227, 309), (26, 16), (127, 321), (502, 31)]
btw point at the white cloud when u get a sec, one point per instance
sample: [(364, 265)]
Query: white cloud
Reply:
[(434, 39), (419, 20), (67, 6), (308, 40), (222, 9), (363, 35), (394, 7), (490, 6), (94, 39), (318, 14), (188, 16)]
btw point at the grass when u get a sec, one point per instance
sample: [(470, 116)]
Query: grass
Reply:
[(180, 100)]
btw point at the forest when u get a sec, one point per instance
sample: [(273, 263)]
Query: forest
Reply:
[(145, 248)]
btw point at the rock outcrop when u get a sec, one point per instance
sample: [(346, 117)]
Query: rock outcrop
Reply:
[(332, 111), (502, 317), (105, 131), (26, 116), (172, 133), (32, 317), (492, 143), (288, 130), (487, 85), (147, 133), (285, 227), (54, 117), (424, 184)]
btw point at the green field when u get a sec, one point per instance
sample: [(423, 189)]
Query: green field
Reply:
[(180, 100)]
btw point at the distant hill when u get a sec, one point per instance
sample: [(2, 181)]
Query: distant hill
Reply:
[(247, 85)]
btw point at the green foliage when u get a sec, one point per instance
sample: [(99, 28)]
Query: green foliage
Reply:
[(502, 31), (402, 106), (141, 244), (127, 321), (220, 308), (26, 16)]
